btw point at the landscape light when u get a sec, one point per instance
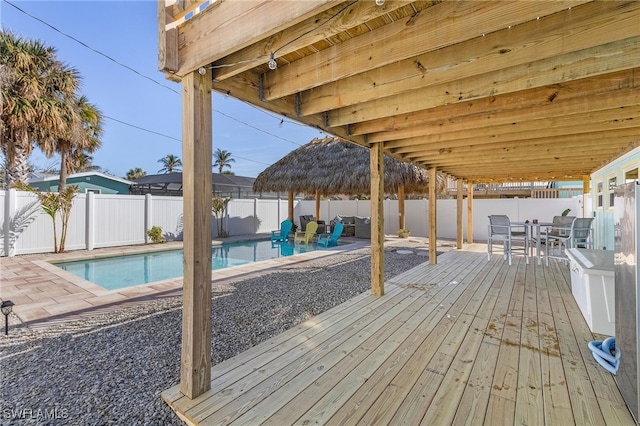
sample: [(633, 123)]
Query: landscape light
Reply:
[(6, 307)]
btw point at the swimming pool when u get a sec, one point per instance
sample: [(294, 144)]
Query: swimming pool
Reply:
[(114, 273)]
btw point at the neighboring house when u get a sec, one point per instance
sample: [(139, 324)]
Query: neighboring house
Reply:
[(97, 182), (603, 181), (224, 185)]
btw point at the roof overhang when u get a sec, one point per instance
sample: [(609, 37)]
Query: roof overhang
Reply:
[(486, 91)]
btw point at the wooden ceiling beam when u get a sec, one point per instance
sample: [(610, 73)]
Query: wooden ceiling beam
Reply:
[(534, 176), (439, 26), (617, 138), (548, 148), (333, 21), (582, 27), (534, 169), (618, 56), (518, 160), (557, 99), (472, 137), (242, 23), (478, 126), (244, 87)]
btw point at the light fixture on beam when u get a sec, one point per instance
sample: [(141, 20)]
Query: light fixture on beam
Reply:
[(272, 61), (379, 2)]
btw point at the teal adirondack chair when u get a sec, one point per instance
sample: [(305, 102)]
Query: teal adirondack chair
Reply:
[(332, 238), (283, 233)]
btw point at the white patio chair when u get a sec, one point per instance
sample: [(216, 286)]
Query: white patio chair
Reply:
[(501, 230)]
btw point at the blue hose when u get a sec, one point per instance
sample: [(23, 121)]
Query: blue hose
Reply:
[(601, 351)]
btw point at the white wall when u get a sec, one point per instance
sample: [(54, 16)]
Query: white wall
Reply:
[(99, 220)]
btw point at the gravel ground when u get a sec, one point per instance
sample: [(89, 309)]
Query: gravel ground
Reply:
[(110, 369)]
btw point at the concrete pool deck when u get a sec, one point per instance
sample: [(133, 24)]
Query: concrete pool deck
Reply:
[(45, 294)]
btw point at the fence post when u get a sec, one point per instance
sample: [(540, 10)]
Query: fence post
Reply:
[(10, 203), (147, 217), (90, 221), (256, 222), (279, 208)]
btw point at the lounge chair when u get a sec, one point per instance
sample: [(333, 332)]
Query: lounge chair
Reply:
[(331, 239), (306, 236), (283, 233)]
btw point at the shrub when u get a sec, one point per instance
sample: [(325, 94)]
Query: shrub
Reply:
[(155, 233)]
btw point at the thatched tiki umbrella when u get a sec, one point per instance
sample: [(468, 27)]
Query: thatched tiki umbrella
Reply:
[(332, 166)]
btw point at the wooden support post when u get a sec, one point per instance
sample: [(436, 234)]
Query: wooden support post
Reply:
[(317, 204), (168, 59), (469, 212), (433, 236), (401, 216), (290, 206), (459, 229), (377, 219), (195, 365)]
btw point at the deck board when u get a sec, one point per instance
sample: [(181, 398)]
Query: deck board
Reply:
[(466, 341)]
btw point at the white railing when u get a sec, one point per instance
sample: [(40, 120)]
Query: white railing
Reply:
[(523, 189), (99, 220)]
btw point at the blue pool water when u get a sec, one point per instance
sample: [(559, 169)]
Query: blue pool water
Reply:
[(125, 271)]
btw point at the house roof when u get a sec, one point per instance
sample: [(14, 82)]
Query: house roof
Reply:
[(33, 178), (176, 178), (487, 91)]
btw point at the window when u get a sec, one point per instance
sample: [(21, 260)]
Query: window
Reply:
[(631, 175), (599, 194), (94, 190), (612, 185)]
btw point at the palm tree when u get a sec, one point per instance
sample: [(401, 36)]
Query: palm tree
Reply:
[(136, 173), (170, 164), (81, 137), (35, 86), (222, 159), (80, 161)]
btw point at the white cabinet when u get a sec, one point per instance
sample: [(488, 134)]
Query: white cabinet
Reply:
[(593, 287)]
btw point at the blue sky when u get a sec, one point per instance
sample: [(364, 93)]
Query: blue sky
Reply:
[(126, 31)]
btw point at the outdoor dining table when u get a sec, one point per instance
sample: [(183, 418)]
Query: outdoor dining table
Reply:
[(531, 228)]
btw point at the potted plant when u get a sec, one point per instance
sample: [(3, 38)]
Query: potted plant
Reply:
[(404, 233)]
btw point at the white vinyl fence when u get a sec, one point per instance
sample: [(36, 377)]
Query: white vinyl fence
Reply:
[(100, 220)]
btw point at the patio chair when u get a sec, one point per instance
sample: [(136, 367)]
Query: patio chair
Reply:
[(331, 239), (307, 235), (283, 233), (501, 230), (579, 236), (561, 225)]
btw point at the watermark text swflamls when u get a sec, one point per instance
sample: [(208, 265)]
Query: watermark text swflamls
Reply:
[(55, 413)]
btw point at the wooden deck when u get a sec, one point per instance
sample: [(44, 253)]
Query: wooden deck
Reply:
[(463, 342)]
